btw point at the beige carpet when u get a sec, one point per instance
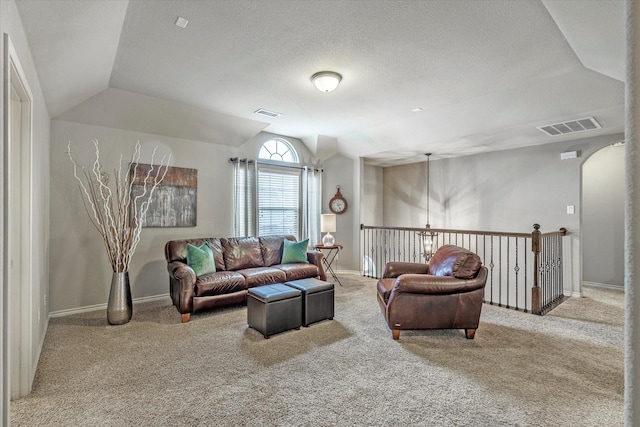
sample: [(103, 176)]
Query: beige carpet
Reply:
[(564, 369)]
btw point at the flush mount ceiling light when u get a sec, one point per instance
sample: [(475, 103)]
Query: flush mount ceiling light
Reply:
[(326, 81)]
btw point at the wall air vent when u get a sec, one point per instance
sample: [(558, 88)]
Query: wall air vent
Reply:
[(267, 113), (579, 125)]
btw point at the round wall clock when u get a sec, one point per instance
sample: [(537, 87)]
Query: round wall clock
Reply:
[(338, 204)]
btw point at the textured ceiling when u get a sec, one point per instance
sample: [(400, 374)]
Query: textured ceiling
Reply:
[(484, 73)]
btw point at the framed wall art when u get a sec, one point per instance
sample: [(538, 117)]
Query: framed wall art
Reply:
[(174, 203)]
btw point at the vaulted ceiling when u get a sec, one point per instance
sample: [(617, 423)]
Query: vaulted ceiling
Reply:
[(484, 74)]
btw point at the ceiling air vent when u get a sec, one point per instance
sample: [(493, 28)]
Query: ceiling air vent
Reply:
[(579, 125), (267, 113)]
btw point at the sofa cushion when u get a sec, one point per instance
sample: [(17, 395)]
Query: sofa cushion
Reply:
[(220, 282), (200, 259), (259, 276), (294, 251), (218, 257), (272, 248), (450, 260), (176, 250), (242, 252), (298, 270)]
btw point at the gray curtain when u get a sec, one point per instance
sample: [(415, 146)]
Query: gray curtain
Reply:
[(311, 204), (245, 183)]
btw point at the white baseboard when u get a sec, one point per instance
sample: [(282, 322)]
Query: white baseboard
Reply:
[(603, 285), (70, 311), (67, 312), (574, 294)]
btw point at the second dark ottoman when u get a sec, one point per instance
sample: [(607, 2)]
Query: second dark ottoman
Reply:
[(317, 299), (274, 308)]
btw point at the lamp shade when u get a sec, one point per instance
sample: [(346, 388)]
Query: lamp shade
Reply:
[(328, 223), (326, 81)]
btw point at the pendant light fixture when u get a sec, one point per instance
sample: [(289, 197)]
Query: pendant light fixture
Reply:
[(428, 236)]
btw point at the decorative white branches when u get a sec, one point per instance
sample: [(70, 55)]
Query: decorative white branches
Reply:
[(114, 212)]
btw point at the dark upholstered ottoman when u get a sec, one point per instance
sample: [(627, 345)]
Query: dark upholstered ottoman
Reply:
[(272, 309), (317, 299)]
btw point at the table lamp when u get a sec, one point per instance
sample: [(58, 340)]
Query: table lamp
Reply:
[(327, 225)]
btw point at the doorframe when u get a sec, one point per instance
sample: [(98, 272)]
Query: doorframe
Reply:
[(15, 76)]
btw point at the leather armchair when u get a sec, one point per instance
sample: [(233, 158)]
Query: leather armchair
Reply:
[(447, 293)]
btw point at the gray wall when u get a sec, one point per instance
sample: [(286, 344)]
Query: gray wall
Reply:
[(10, 24), (501, 191), (80, 272), (603, 186), (77, 244), (342, 171), (372, 195)]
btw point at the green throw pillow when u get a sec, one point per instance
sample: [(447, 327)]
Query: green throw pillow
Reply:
[(200, 259), (294, 251)]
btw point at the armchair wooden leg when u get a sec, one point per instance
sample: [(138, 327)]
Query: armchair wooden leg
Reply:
[(186, 317), (470, 333), (396, 334)]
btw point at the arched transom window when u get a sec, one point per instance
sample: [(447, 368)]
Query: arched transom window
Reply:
[(278, 149)]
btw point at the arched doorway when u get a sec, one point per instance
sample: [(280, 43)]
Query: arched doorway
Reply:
[(602, 229)]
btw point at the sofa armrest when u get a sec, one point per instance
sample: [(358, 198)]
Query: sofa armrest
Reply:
[(182, 283), (438, 285), (182, 272), (315, 257), (395, 269)]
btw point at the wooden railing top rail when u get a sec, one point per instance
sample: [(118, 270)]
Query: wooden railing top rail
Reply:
[(561, 232)]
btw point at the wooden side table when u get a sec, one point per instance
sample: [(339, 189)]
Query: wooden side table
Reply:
[(329, 258)]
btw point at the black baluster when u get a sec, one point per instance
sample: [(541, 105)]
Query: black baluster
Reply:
[(517, 269), (500, 272), (526, 272)]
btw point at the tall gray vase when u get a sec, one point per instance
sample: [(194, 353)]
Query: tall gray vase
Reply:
[(120, 307)]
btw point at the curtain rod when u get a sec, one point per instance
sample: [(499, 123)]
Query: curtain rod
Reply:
[(236, 160)]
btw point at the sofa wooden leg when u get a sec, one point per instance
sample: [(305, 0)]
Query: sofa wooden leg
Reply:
[(186, 317), (470, 333), (396, 334)]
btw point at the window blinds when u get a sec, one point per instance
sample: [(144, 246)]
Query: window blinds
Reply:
[(278, 202)]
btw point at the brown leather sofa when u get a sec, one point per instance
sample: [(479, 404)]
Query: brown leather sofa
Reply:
[(241, 263), (447, 293)]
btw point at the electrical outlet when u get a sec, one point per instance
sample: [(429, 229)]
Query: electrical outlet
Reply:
[(45, 300), (571, 209)]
